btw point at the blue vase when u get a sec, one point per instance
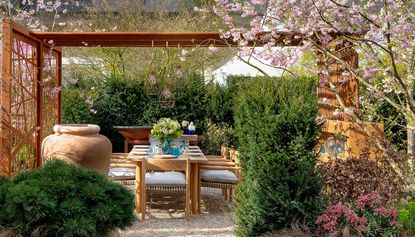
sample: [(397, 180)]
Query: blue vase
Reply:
[(188, 132), (167, 146)]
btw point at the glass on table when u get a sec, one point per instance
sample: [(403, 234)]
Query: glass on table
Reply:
[(153, 140), (151, 151)]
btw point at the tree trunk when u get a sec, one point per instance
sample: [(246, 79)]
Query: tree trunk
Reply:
[(410, 126)]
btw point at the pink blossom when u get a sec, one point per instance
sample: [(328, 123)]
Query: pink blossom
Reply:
[(56, 90), (73, 81), (258, 2), (93, 111)]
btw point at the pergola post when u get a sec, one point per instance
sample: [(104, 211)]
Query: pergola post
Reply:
[(5, 146)]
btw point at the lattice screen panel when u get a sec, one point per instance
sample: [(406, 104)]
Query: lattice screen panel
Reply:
[(30, 98), (23, 104), (51, 90)]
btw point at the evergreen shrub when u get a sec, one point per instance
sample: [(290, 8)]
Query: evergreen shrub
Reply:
[(64, 200), (277, 132)]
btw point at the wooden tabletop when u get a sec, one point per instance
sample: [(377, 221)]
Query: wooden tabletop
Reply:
[(196, 155)]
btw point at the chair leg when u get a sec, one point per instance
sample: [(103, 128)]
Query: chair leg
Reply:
[(230, 194), (138, 191), (143, 197), (226, 194), (187, 204), (143, 204), (199, 194)]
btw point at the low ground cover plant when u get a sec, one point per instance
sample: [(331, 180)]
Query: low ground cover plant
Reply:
[(64, 200), (406, 220), (366, 217), (346, 180)]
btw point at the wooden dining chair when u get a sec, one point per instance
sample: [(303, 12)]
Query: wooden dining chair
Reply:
[(122, 170), (224, 155), (161, 175), (222, 174)]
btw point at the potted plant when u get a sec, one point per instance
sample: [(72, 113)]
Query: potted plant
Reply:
[(188, 127), (166, 130)]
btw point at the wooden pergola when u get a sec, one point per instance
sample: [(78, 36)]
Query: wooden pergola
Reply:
[(32, 72)]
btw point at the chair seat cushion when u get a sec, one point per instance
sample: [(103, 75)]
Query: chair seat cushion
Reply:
[(119, 172), (166, 179), (221, 176)]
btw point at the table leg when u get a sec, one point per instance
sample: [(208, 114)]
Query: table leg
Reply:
[(138, 191), (199, 187), (195, 187)]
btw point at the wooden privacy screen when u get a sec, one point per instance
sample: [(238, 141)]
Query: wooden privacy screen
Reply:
[(29, 98), (346, 85)]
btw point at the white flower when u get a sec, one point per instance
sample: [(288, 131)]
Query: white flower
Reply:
[(349, 111), (213, 48), (192, 127), (171, 131), (336, 112), (185, 123)]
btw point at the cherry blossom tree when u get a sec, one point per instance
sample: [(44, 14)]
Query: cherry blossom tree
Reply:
[(37, 15), (382, 32)]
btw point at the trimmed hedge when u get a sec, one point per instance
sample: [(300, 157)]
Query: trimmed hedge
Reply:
[(64, 200), (275, 124)]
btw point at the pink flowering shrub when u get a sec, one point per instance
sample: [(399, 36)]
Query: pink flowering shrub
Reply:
[(366, 217)]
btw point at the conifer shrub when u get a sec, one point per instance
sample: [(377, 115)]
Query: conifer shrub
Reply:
[(64, 200), (277, 132)]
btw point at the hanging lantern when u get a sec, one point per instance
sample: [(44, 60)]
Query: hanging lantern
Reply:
[(167, 98), (151, 84)]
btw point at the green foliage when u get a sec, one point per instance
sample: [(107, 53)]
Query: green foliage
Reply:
[(123, 102), (217, 135), (275, 124), (406, 219), (64, 200), (74, 108), (220, 100)]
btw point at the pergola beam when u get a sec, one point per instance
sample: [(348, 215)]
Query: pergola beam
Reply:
[(150, 39), (132, 39)]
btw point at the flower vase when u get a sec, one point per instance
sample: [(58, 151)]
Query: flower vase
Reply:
[(167, 146), (188, 132)]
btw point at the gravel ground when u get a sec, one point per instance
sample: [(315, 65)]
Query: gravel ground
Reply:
[(165, 217)]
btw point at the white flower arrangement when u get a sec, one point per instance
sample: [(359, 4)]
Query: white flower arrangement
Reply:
[(167, 128)]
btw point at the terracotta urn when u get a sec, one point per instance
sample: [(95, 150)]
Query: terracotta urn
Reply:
[(79, 144)]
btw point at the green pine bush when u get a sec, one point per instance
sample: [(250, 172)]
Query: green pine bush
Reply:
[(64, 200), (275, 124)]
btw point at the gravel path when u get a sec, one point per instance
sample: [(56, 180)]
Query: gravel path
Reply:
[(165, 217)]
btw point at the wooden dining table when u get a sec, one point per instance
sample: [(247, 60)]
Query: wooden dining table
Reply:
[(196, 156)]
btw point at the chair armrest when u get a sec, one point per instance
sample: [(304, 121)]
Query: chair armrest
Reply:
[(214, 157), (220, 163), (207, 167), (120, 165)]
